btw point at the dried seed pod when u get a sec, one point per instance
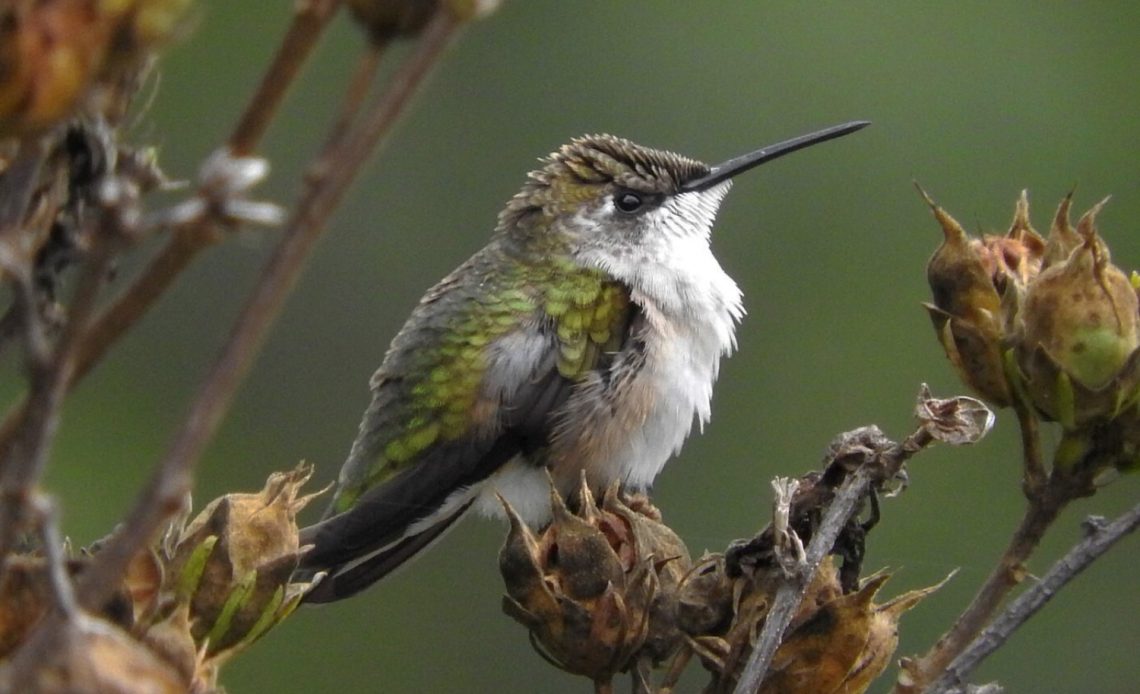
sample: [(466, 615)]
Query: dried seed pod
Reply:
[(844, 645), (705, 598), (836, 642), (52, 51), (979, 287), (93, 656), (233, 563), (1081, 330), (589, 586), (24, 597)]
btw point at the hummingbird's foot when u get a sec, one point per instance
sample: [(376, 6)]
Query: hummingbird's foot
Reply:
[(639, 502)]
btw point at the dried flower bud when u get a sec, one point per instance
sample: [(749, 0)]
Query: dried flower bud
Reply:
[(843, 645), (52, 51), (706, 598), (1080, 335), (836, 642), (388, 19), (93, 656), (48, 53), (967, 310), (233, 563), (1062, 239), (26, 594), (666, 557), (589, 586), (24, 597)]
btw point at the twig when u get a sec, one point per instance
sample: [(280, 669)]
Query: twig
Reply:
[(1032, 461), (330, 177), (187, 242), (63, 592), (363, 75), (18, 182), (309, 20), (24, 460), (791, 592), (1061, 488), (1076, 560)]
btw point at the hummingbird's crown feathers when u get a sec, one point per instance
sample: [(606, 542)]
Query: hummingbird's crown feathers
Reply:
[(603, 159), (589, 167)]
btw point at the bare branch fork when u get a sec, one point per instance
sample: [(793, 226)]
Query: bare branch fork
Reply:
[(331, 174), (28, 429), (1101, 536), (1046, 499), (876, 461)]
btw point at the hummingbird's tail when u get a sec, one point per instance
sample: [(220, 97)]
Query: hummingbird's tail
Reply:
[(349, 577), (397, 519)]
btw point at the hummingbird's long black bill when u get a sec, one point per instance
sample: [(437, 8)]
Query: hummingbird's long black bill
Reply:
[(744, 162)]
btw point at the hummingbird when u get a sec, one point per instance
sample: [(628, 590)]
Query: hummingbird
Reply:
[(582, 341)]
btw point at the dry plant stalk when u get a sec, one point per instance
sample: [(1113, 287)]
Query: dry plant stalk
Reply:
[(134, 613), (1049, 327)]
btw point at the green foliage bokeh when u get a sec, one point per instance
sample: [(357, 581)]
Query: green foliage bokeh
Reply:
[(976, 101)]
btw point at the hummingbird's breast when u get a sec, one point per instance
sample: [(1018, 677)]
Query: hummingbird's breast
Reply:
[(625, 417), (624, 423)]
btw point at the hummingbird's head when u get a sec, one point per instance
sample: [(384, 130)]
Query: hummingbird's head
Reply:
[(642, 215), (604, 192), (601, 191)]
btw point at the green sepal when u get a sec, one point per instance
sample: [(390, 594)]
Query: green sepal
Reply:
[(1016, 379), (193, 568), (265, 620), (1065, 400), (1070, 450), (234, 601)]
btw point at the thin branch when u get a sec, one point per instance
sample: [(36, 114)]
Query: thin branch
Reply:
[(309, 20), (19, 181), (791, 592), (17, 185), (1033, 466), (63, 593), (1099, 540), (1043, 509), (24, 460), (329, 179)]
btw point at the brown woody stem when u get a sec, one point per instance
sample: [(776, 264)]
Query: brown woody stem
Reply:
[(23, 459), (1101, 537), (1061, 487), (1032, 460), (329, 178), (309, 20), (791, 592)]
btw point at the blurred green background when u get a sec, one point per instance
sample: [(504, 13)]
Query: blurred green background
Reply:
[(975, 100)]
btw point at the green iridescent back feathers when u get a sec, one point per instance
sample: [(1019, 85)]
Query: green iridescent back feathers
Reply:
[(525, 279)]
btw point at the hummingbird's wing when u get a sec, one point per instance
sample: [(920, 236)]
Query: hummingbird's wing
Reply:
[(476, 377)]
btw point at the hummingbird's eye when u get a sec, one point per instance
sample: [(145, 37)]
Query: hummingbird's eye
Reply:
[(628, 201)]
